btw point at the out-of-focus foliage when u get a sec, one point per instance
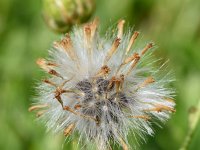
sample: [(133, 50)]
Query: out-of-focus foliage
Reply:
[(173, 25)]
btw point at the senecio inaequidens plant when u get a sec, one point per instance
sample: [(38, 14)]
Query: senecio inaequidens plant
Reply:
[(103, 88)]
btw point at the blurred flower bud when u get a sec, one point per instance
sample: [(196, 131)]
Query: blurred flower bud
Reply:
[(61, 15)]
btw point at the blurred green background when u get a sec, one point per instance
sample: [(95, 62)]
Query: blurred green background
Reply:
[(173, 25)]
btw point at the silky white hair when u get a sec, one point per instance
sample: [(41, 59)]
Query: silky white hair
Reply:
[(104, 88)]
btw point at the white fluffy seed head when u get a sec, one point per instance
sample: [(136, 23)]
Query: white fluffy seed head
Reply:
[(103, 88)]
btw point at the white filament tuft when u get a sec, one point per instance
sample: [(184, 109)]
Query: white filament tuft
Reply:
[(103, 88)]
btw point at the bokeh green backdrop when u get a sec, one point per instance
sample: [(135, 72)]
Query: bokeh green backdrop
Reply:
[(173, 24)]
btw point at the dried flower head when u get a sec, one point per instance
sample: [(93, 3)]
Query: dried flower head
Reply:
[(103, 88)]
